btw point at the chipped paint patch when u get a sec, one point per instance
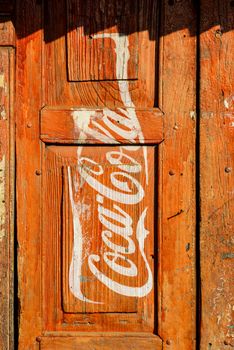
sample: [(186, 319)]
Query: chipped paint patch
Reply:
[(2, 198), (2, 113), (229, 101), (192, 115), (2, 81), (85, 210), (227, 256)]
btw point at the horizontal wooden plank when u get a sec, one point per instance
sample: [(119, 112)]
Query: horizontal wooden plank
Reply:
[(101, 342), (102, 126)]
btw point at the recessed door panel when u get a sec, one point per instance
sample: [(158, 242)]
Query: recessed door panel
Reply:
[(99, 233), (96, 23)]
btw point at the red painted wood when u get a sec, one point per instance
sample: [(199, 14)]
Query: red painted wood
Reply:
[(62, 126), (6, 196), (102, 244), (177, 217), (101, 342), (87, 36), (217, 184)]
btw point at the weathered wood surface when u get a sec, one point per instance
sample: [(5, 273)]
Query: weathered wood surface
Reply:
[(58, 91), (114, 311), (113, 341), (28, 190), (6, 197), (177, 219), (7, 32), (40, 253), (93, 21), (49, 211), (217, 175), (63, 126)]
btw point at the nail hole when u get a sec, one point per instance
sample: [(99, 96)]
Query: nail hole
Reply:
[(228, 169)]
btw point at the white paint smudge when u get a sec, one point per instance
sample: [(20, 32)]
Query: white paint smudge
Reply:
[(75, 273), (229, 101), (3, 113), (193, 115)]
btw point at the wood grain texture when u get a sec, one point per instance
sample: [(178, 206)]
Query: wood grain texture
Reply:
[(117, 313), (95, 220), (177, 299), (44, 215), (6, 197), (217, 181), (7, 32), (58, 126), (90, 55), (28, 103), (102, 343), (58, 91)]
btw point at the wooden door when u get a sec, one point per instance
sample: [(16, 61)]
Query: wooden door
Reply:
[(105, 175)]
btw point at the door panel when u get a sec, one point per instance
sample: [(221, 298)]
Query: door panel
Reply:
[(62, 85), (91, 203), (100, 17), (98, 225), (99, 203)]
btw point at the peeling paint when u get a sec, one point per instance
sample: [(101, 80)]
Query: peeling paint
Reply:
[(229, 101), (227, 256), (2, 81), (2, 113), (192, 115), (2, 198)]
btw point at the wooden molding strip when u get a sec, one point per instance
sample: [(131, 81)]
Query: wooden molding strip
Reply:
[(103, 342), (98, 126)]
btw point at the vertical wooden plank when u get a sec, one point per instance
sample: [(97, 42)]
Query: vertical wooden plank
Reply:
[(177, 321), (7, 32), (217, 169), (6, 197), (28, 98)]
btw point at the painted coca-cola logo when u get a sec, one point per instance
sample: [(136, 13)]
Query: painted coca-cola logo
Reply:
[(124, 190)]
